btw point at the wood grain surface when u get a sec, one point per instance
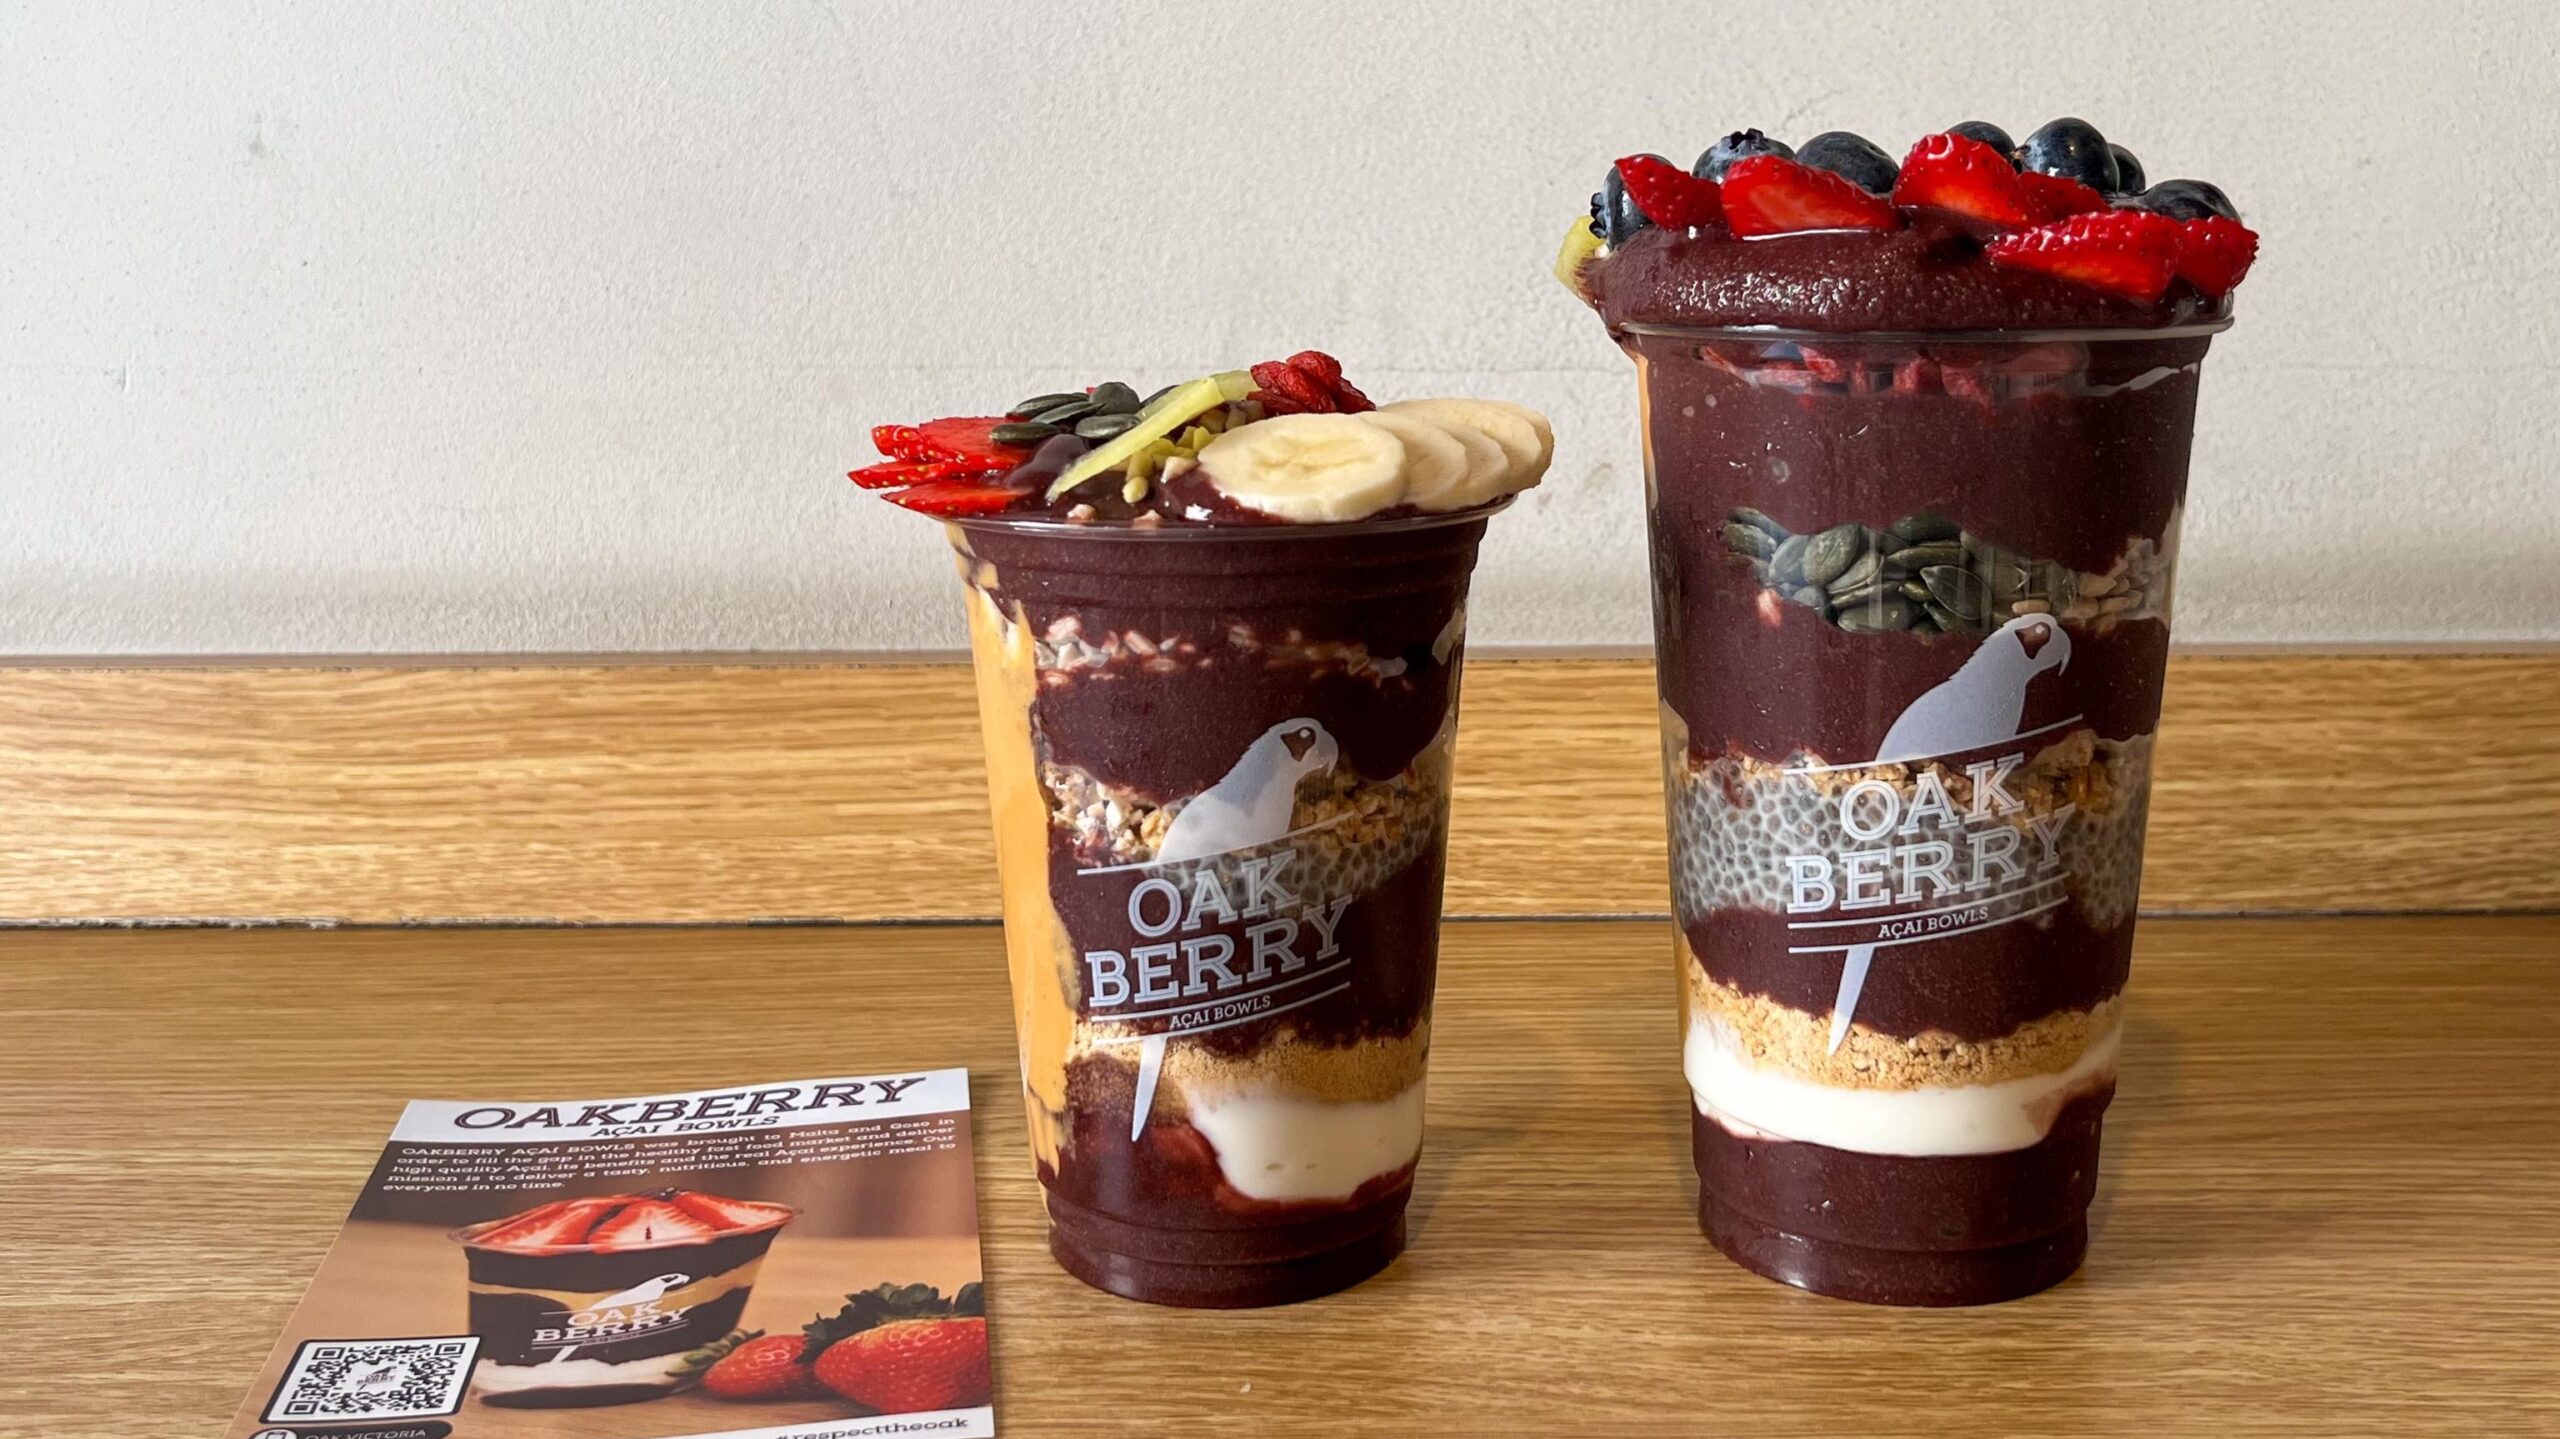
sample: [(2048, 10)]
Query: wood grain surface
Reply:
[(2329, 1204), (665, 792)]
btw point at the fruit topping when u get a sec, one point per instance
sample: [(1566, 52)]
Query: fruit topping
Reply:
[(562, 1222), (2186, 200), (1740, 145), (1170, 412), (1767, 195), (2131, 253), (1522, 438), (958, 439), (722, 1212), (1311, 468), (648, 1222), (758, 1366), (2073, 149), (1989, 134), (2128, 171), (960, 497), (1968, 176), (1854, 158), (1668, 195), (1614, 215), (2055, 197), (904, 1349), (2216, 253), (1581, 242)]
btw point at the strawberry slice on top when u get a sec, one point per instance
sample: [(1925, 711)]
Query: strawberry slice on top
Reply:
[(957, 439), (2132, 253), (1772, 195), (1959, 173), (959, 497), (651, 1221), (1668, 195), (722, 1212), (2215, 254), (2059, 195)]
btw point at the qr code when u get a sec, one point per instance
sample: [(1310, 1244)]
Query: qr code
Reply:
[(375, 1379)]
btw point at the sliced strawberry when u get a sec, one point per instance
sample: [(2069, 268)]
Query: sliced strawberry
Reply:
[(1829, 368), (1915, 375), (562, 1222), (958, 497), (2055, 196), (888, 474), (1772, 195), (1954, 172), (721, 1212), (650, 1221), (1668, 195), (2215, 253), (2132, 253), (967, 440), (899, 442)]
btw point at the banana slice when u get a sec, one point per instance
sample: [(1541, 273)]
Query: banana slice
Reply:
[(1312, 469), (1527, 440), (1488, 467), (1436, 462)]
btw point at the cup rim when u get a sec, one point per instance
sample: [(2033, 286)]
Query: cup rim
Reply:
[(1208, 534), (2084, 334)]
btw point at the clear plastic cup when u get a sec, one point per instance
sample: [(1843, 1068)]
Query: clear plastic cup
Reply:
[(1219, 760), (1912, 599)]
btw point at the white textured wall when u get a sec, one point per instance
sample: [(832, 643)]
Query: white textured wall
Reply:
[(468, 326)]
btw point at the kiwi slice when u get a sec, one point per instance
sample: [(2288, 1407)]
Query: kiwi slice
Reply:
[(1179, 406)]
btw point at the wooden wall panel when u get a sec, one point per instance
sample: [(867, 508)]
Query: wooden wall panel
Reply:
[(702, 792)]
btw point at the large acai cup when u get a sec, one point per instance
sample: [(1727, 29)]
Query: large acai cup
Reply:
[(1911, 598), (1219, 759), (617, 1315)]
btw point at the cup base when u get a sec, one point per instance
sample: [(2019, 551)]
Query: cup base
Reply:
[(1230, 1268), (1908, 1277)]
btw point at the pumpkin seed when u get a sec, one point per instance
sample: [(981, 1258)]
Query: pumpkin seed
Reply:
[(1865, 594), (1882, 617), (1927, 527), (1744, 514), (1812, 599), (1914, 590), (1022, 432), (1114, 398), (1961, 591), (1068, 413), (1866, 570), (1749, 540), (1830, 554), (1946, 619), (1786, 564), (1930, 552), (1037, 403), (1105, 426)]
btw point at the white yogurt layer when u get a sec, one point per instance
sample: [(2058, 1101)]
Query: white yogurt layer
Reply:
[(576, 1373), (1280, 1147), (1754, 1102)]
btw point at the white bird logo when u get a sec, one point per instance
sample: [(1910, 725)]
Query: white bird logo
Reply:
[(1977, 706), (1251, 806), (643, 1292)]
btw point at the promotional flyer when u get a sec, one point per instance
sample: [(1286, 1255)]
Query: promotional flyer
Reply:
[(795, 1260)]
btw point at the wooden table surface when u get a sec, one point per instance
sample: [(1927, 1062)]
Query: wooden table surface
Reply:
[(2331, 1202)]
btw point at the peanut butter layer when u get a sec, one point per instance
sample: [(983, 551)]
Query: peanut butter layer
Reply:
[(1784, 1038), (1368, 1071)]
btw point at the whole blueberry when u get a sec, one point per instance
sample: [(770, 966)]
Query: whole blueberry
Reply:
[(2074, 150), (2128, 171), (1854, 158), (1740, 145), (1613, 214), (2186, 200), (1989, 134)]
